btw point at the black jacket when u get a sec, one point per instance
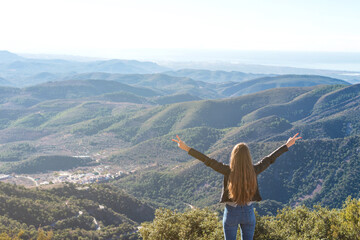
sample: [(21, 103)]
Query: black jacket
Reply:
[(224, 169)]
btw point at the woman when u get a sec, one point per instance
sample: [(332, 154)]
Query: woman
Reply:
[(240, 186)]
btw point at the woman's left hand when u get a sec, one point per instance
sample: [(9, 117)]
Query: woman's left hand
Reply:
[(291, 141)]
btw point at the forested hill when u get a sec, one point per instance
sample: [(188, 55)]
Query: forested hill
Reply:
[(71, 212)]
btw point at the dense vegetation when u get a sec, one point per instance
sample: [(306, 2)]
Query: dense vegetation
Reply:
[(46, 163), (16, 152), (297, 223), (69, 212)]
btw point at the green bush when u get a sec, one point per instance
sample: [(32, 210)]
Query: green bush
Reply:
[(319, 223), (190, 225)]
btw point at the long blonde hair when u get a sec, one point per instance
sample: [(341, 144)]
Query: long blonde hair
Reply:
[(242, 179)]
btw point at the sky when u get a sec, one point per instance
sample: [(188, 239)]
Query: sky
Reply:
[(106, 28)]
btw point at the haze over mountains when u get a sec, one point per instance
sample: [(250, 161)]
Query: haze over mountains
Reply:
[(124, 113), (26, 71), (21, 71)]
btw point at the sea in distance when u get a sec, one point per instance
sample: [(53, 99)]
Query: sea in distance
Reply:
[(342, 61)]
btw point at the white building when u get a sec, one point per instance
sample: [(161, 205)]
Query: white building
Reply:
[(4, 177)]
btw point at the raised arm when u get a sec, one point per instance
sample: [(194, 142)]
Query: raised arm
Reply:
[(270, 159), (217, 166)]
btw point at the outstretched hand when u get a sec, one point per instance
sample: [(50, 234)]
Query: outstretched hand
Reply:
[(291, 141), (181, 144)]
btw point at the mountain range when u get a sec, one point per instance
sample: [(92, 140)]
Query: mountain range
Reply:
[(22, 71), (126, 119), (61, 116), (18, 71), (204, 88)]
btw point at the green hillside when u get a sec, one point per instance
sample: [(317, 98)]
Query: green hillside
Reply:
[(80, 113), (122, 96), (16, 151), (69, 211), (176, 98), (160, 150), (43, 164), (212, 113), (298, 108)]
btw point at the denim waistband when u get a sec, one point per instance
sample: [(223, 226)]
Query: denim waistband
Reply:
[(235, 205)]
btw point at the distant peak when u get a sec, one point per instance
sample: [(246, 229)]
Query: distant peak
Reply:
[(6, 56), (7, 53)]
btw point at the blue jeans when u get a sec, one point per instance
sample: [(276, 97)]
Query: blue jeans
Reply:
[(243, 215)]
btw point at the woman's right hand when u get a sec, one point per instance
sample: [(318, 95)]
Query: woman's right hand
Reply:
[(181, 144)]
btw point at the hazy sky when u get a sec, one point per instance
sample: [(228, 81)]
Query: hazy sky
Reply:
[(104, 27)]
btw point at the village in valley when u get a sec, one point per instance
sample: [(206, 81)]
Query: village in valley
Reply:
[(84, 175)]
